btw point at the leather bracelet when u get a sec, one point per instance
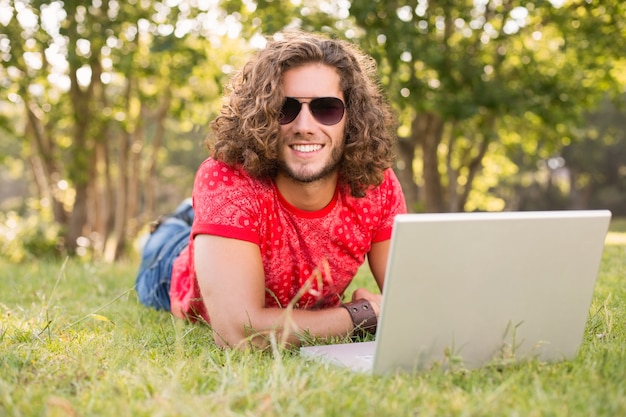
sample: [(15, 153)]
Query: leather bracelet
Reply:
[(363, 317)]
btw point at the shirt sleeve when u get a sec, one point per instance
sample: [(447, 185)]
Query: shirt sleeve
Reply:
[(392, 202), (225, 203)]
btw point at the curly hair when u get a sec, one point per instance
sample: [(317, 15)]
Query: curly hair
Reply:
[(247, 132)]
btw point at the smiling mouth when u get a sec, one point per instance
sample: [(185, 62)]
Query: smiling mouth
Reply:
[(306, 148)]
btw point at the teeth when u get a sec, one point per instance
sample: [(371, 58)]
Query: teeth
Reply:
[(306, 148)]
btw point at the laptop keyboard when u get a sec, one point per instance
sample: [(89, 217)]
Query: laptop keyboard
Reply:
[(365, 358)]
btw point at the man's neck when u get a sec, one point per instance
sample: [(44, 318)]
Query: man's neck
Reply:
[(311, 196)]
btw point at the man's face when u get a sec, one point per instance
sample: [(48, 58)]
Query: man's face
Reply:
[(310, 151)]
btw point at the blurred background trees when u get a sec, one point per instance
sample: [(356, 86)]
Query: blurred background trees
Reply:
[(105, 104)]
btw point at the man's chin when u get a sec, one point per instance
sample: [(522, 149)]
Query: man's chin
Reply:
[(308, 176)]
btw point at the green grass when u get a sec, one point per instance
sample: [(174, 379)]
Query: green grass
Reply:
[(75, 341)]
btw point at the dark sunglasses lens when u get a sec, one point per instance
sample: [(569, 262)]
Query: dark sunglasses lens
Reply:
[(289, 111), (327, 110)]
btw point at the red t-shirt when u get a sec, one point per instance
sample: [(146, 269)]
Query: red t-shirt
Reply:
[(294, 243)]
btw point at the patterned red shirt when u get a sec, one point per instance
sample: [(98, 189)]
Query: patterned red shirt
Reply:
[(325, 247)]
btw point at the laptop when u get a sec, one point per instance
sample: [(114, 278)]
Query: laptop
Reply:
[(472, 289)]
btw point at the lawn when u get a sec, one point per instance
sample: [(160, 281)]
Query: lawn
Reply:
[(74, 341)]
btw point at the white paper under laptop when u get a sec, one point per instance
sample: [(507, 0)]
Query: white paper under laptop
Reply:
[(474, 288)]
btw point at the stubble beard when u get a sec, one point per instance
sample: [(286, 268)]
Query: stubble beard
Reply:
[(306, 177)]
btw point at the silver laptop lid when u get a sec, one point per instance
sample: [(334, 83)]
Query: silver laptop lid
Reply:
[(479, 287)]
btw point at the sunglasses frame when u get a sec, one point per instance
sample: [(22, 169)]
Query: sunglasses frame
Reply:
[(313, 109)]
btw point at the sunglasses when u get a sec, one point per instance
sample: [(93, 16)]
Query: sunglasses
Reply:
[(326, 110)]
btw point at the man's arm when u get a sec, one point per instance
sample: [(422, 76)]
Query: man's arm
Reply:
[(377, 259), (231, 279)]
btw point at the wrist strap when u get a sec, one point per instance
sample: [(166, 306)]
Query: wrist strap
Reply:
[(363, 317)]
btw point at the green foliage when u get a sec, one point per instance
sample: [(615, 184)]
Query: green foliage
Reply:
[(587, 170), (97, 93), (28, 238), (486, 68), (75, 341)]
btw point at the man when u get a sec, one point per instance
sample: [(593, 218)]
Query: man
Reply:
[(297, 192)]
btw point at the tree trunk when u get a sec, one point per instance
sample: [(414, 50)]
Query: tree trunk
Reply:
[(134, 174), (81, 171), (79, 217), (99, 202), (82, 167), (151, 171), (406, 174), (452, 173), (45, 168), (475, 165), (117, 239), (428, 130)]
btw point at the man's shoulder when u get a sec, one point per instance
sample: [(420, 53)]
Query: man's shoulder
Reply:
[(223, 172), (387, 197), (389, 185), (217, 176), (211, 165)]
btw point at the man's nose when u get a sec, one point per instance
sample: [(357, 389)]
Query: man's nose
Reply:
[(305, 120)]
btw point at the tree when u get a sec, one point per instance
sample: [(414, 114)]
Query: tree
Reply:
[(588, 173), (99, 81), (459, 69)]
